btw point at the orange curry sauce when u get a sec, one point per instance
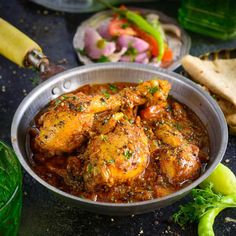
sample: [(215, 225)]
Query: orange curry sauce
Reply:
[(163, 174)]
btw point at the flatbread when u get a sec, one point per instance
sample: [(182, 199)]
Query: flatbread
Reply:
[(229, 111), (219, 76)]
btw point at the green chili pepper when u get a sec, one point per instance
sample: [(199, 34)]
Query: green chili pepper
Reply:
[(142, 24), (206, 205), (148, 28), (205, 226), (223, 180)]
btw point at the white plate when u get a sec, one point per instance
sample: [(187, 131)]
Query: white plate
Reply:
[(180, 46)]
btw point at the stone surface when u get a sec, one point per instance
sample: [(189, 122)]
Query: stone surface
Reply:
[(43, 213)]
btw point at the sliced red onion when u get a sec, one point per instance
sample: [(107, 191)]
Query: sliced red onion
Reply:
[(115, 57), (96, 46), (141, 57), (127, 58), (145, 61), (130, 41), (103, 30)]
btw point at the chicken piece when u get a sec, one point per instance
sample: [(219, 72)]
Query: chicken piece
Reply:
[(178, 111), (105, 123), (180, 165), (169, 135), (179, 161), (69, 118), (116, 157), (154, 91), (62, 125)]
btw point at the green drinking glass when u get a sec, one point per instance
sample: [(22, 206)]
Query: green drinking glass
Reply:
[(10, 191), (215, 18)]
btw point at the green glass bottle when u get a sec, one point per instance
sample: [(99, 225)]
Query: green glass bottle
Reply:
[(10, 191), (215, 18)]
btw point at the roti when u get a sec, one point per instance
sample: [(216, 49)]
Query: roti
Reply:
[(219, 76)]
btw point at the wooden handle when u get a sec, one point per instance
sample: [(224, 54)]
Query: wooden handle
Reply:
[(15, 45)]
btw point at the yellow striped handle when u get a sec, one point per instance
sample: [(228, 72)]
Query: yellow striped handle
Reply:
[(14, 45)]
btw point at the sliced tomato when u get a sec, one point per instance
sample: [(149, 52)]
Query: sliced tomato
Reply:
[(149, 39), (119, 27), (167, 56)]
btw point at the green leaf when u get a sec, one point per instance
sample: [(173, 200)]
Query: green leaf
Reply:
[(178, 126), (106, 94), (111, 161), (103, 59), (80, 108), (113, 87), (128, 154), (131, 51), (81, 51), (57, 102), (103, 137), (153, 90), (89, 168), (203, 200)]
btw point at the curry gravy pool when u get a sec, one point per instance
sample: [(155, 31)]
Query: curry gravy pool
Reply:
[(118, 142)]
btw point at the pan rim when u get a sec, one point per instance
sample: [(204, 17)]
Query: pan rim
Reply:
[(26, 102)]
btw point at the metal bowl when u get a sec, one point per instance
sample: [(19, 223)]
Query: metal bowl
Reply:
[(183, 90)]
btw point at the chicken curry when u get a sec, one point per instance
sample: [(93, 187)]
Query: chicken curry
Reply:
[(118, 142)]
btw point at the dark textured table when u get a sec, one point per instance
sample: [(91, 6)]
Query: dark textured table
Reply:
[(43, 213)]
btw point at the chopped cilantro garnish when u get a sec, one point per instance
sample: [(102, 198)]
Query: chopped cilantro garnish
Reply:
[(64, 97), (128, 154), (112, 87), (131, 51), (178, 126), (103, 137), (106, 94), (57, 102), (153, 90), (131, 121), (89, 168), (81, 51), (103, 59), (111, 161), (80, 108)]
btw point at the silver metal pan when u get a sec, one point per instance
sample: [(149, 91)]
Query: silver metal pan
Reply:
[(183, 90)]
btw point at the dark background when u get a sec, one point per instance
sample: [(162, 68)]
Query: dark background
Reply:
[(43, 213)]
